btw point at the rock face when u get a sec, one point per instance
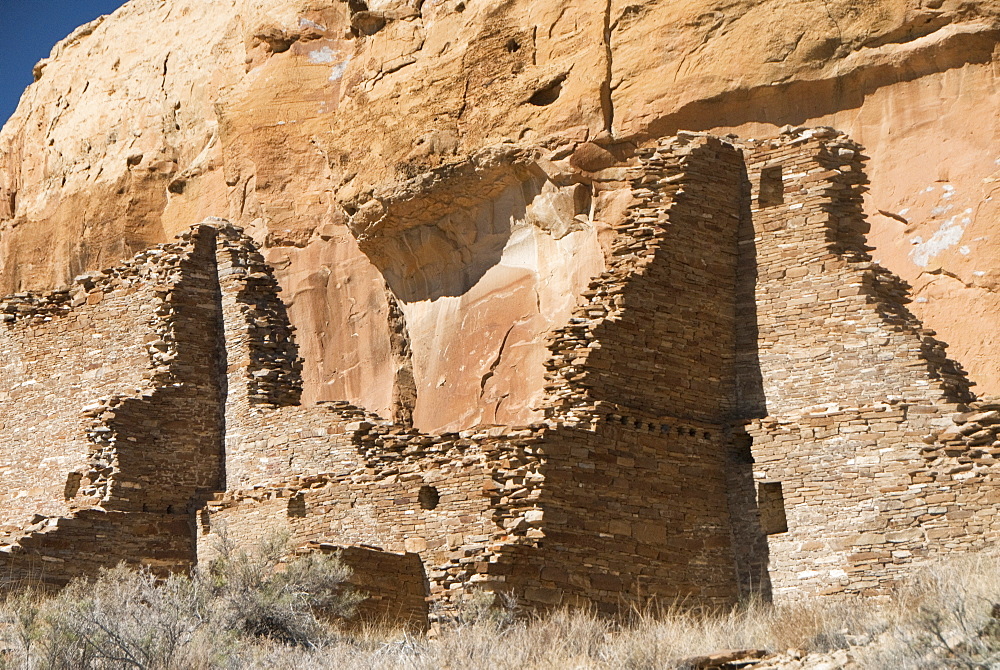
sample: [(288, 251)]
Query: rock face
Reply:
[(337, 134)]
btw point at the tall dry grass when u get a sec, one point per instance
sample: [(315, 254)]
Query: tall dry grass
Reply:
[(253, 611)]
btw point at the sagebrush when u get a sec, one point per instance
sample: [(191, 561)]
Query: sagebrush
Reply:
[(260, 610)]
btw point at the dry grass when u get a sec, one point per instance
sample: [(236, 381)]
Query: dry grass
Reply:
[(245, 614)]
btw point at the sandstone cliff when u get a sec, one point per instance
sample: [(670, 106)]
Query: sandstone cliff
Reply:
[(365, 145)]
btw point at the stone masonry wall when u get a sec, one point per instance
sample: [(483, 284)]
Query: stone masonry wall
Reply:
[(856, 390), (740, 404), (58, 358), (641, 386), (655, 332), (138, 443), (611, 503)]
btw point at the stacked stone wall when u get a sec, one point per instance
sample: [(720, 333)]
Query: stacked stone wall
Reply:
[(138, 443), (57, 359), (833, 327), (620, 499), (654, 334), (164, 445), (740, 404), (394, 586), (634, 512), (855, 388), (647, 364)]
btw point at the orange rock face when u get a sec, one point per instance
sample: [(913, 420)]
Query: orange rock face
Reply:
[(362, 145)]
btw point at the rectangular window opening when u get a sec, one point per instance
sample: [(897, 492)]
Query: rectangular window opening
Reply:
[(772, 187), (771, 507), (744, 448)]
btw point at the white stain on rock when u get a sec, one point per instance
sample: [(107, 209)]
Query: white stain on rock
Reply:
[(948, 235), (328, 55), (306, 23), (337, 71), (941, 210), (324, 55)]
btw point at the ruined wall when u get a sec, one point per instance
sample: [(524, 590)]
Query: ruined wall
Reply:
[(394, 586), (627, 505), (833, 325), (654, 334), (442, 497), (855, 388), (44, 395), (738, 403), (634, 496), (144, 419)]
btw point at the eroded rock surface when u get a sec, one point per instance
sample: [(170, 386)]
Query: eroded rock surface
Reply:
[(338, 134)]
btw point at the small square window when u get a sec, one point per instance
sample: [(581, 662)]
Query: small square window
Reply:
[(297, 505)]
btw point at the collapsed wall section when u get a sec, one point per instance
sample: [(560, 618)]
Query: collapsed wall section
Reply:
[(332, 473), (833, 324), (654, 334), (739, 402), (60, 352), (390, 488), (640, 390)]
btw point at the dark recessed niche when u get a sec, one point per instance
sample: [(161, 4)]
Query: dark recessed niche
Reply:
[(512, 45), (297, 506), (744, 448), (177, 186), (771, 507), (72, 485), (548, 94), (772, 187), (428, 497)]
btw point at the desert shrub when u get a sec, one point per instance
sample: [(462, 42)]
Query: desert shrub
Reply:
[(497, 609), (250, 611), (946, 616), (130, 619), (259, 595)]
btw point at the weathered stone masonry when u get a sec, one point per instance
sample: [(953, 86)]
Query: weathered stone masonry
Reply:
[(619, 497), (857, 392), (114, 414), (740, 402)]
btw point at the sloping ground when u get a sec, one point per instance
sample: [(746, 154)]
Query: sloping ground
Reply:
[(292, 118)]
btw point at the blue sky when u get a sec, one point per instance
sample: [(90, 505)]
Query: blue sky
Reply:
[(28, 31)]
